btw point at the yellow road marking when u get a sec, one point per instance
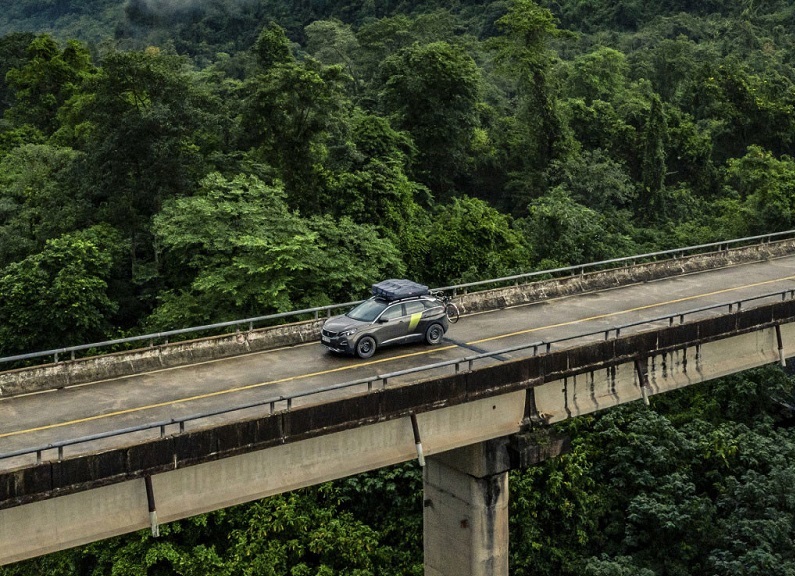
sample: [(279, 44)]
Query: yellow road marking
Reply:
[(213, 394), (628, 310), (372, 362)]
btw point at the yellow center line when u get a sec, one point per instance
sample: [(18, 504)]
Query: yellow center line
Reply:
[(213, 394), (382, 360), (628, 310)]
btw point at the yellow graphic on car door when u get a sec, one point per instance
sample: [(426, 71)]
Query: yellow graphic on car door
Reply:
[(415, 319)]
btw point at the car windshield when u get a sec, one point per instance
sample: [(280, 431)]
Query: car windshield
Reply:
[(368, 310)]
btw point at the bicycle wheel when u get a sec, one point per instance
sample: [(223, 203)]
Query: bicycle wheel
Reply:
[(452, 312)]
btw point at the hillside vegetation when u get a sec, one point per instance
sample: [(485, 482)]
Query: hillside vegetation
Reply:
[(169, 164)]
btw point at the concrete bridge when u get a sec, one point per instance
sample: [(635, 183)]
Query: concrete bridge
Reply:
[(96, 447)]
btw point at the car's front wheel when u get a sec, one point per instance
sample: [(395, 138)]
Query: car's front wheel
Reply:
[(365, 347), (434, 334)]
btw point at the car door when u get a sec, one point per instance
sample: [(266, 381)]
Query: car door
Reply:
[(413, 313), (392, 324)]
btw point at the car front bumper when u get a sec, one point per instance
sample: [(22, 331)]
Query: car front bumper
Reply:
[(339, 344)]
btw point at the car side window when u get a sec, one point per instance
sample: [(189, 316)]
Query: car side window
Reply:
[(392, 312), (414, 307)]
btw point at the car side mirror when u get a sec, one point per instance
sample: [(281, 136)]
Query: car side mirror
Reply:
[(383, 320)]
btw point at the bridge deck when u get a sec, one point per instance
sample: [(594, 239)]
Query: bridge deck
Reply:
[(63, 503), (39, 419)]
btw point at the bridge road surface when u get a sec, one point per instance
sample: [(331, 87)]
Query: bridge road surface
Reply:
[(42, 418)]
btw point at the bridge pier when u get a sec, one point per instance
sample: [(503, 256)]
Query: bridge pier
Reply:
[(465, 512)]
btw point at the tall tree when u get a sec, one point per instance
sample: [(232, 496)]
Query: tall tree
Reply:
[(368, 180), (145, 126), (333, 43), (13, 54), (652, 198), (525, 55), (598, 75), (464, 240), (766, 186), (39, 200), (236, 249), (432, 92), (289, 110), (46, 80), (564, 232)]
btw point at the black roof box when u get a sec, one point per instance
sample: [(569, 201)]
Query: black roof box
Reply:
[(395, 289)]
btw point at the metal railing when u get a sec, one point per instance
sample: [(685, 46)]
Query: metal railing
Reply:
[(624, 260), (580, 269), (382, 379)]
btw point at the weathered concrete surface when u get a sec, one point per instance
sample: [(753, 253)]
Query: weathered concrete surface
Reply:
[(606, 387), (551, 387), (96, 368), (80, 517), (465, 511), (213, 468), (630, 274)]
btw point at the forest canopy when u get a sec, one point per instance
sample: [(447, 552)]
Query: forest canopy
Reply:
[(168, 164), (542, 135)]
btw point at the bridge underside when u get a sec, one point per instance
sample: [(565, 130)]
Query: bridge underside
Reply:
[(60, 504)]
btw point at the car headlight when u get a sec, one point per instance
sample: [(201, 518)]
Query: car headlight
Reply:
[(350, 332)]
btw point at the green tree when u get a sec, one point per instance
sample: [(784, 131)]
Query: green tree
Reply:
[(754, 108), (432, 92), (145, 126), (272, 46), (237, 243), (653, 203), (757, 521), (235, 249), (620, 566), (288, 114), (598, 75), (302, 533), (59, 296), (367, 176), (467, 240), (603, 125), (334, 43), (39, 201), (350, 257), (390, 499), (525, 55), (383, 38), (13, 54), (595, 180), (671, 65), (767, 187), (554, 513), (563, 232), (45, 81)]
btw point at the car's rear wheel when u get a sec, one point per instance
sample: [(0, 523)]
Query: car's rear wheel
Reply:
[(434, 334), (365, 347)]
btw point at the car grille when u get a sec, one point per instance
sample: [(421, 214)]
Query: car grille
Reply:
[(328, 333)]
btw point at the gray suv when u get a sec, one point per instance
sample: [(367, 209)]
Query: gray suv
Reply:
[(399, 311)]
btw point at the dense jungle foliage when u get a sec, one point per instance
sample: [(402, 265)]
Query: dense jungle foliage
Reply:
[(168, 164)]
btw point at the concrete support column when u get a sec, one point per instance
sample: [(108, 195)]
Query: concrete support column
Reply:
[(466, 511)]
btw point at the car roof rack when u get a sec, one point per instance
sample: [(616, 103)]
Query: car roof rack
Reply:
[(397, 289)]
